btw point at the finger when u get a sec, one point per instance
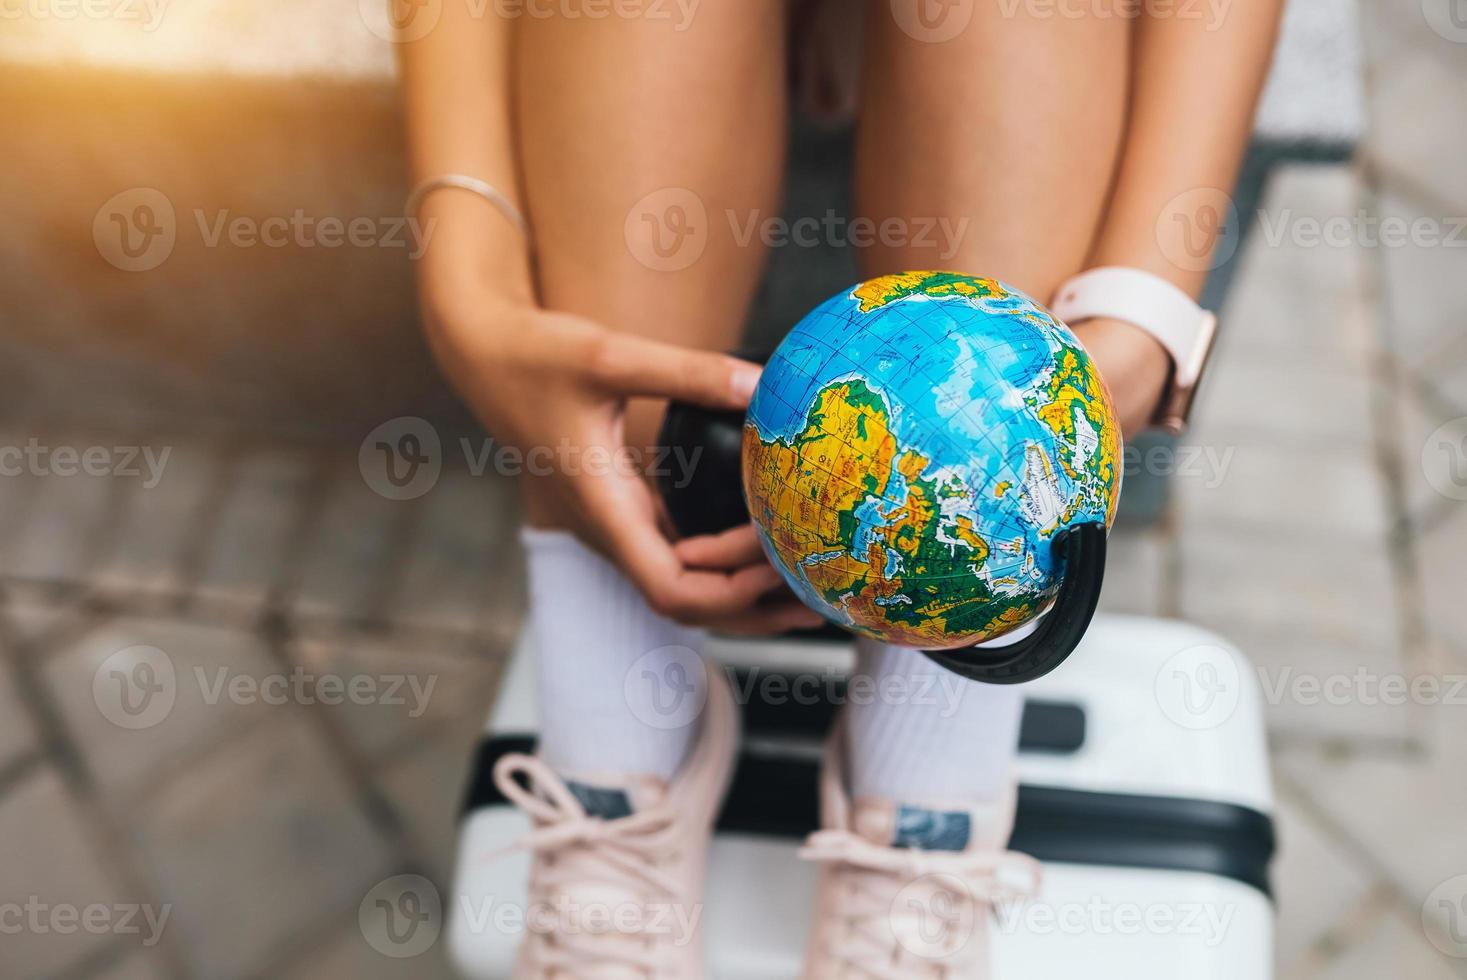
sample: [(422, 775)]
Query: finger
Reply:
[(636, 366), (621, 509), (733, 548)]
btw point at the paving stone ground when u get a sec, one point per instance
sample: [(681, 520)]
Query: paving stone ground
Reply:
[(180, 730)]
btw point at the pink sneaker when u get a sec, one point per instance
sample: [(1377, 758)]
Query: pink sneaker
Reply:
[(907, 891), (616, 880)]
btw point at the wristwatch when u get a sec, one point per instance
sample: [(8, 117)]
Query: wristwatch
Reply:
[(1143, 299)]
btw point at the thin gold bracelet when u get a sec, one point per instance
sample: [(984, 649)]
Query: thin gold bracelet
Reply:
[(474, 185)]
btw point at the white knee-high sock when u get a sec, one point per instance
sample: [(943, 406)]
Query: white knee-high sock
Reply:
[(620, 687), (924, 734)]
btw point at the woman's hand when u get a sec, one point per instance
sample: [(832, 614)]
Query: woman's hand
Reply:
[(1134, 365), (555, 387)]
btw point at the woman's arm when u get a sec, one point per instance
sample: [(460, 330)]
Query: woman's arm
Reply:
[(1195, 84), (542, 380), (455, 83)]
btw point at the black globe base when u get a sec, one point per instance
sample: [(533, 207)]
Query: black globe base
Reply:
[(1081, 552)]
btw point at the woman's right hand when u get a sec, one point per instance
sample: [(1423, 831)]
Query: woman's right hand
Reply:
[(555, 386)]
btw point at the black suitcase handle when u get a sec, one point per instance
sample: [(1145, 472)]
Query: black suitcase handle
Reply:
[(712, 500)]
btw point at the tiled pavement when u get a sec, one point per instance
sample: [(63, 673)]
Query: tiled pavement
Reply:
[(1322, 534)]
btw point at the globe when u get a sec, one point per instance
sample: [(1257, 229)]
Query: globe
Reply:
[(913, 449)]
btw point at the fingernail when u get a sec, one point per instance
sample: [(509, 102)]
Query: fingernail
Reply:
[(743, 381)]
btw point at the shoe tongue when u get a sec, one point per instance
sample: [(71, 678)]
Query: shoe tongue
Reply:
[(613, 800), (924, 828)]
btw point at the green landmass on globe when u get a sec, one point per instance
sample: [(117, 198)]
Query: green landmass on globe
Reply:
[(915, 445)]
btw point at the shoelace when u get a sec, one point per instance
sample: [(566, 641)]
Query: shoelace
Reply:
[(576, 850), (872, 880)]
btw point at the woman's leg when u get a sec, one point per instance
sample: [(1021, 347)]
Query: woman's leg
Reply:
[(1009, 131), (645, 143), (638, 136)]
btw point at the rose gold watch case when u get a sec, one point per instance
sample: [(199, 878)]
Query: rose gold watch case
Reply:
[(1175, 409)]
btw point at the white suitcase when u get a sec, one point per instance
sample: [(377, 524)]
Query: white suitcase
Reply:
[(1144, 792)]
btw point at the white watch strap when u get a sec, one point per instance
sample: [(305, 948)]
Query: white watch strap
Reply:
[(1148, 301)]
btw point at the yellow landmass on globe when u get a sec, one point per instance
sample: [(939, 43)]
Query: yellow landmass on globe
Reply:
[(876, 293), (1076, 386), (816, 483)]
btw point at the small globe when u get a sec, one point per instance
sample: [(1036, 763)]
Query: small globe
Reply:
[(913, 449)]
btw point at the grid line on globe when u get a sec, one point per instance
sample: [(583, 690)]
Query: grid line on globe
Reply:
[(914, 447)]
